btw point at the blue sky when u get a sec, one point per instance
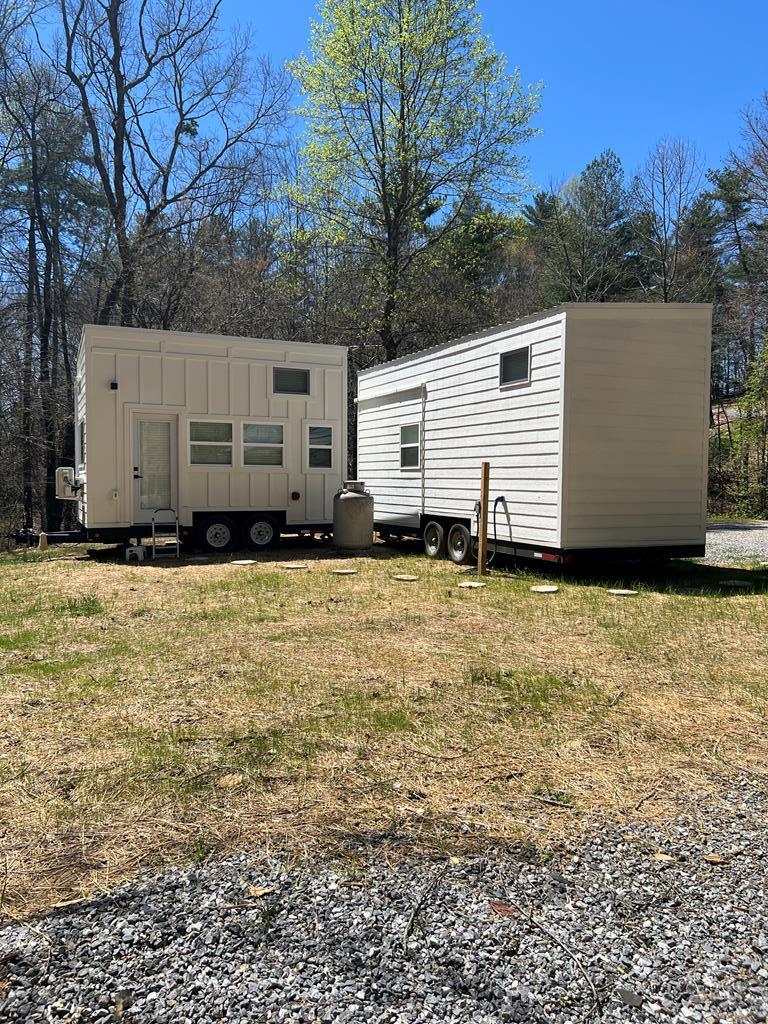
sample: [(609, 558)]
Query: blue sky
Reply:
[(616, 74)]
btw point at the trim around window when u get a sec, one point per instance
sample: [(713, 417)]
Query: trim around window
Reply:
[(515, 367), (319, 447), (410, 446), (263, 445), (291, 381), (210, 444)]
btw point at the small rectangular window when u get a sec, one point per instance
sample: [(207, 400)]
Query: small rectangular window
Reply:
[(409, 446), (320, 448), (287, 380), (262, 444), (515, 366), (210, 443)]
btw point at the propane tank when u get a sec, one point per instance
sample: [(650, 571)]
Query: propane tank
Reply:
[(353, 517)]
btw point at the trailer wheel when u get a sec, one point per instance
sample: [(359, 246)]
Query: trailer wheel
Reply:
[(434, 540), (218, 534), (459, 544), (261, 532)]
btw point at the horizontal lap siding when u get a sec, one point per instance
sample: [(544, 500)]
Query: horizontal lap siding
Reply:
[(637, 388), (468, 420)]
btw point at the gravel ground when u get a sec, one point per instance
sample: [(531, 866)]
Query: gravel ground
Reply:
[(636, 924), (734, 543)]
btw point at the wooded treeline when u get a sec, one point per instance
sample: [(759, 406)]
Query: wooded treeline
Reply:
[(150, 176)]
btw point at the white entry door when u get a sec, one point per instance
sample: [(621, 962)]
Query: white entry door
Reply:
[(155, 471)]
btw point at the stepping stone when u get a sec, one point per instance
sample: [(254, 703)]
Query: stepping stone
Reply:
[(243, 561), (618, 592), (295, 565), (545, 589), (404, 578), (344, 572), (736, 584), (471, 586)]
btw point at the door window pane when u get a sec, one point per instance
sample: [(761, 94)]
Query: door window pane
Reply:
[(155, 464)]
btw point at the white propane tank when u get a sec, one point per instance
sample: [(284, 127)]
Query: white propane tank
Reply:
[(353, 517)]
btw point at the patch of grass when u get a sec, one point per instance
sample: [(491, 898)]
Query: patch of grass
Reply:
[(58, 669), (80, 607), (557, 797), (19, 640), (529, 691), (204, 703), (201, 852)]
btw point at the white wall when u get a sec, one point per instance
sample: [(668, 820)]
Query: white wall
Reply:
[(636, 424), (468, 419), (201, 376)]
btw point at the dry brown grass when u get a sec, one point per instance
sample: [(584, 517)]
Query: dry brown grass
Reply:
[(159, 713)]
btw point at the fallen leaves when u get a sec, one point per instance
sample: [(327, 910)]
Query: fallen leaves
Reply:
[(503, 909), (260, 890)]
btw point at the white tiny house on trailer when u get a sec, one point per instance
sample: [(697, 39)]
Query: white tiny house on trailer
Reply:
[(240, 438), (593, 416)]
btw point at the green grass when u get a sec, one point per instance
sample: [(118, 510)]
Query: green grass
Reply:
[(530, 692), (79, 607), (149, 709)]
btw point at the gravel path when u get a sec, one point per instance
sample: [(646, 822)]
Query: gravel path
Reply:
[(639, 924), (737, 543)]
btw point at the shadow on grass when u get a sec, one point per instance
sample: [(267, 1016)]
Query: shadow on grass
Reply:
[(287, 550), (678, 576)]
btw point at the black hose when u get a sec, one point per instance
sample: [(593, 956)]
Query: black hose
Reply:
[(496, 502)]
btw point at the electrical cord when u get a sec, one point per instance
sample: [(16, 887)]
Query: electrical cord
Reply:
[(499, 500)]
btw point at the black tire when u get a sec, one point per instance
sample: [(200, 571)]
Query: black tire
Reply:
[(459, 544), (261, 532), (434, 540), (217, 534)]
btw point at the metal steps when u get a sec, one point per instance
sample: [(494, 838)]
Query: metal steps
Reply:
[(166, 530)]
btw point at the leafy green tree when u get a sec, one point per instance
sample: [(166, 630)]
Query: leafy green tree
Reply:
[(411, 113), (581, 235)]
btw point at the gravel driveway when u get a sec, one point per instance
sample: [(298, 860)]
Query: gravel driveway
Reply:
[(737, 543), (638, 924)]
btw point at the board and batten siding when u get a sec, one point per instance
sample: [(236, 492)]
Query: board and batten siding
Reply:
[(636, 425), (209, 377), (453, 391)]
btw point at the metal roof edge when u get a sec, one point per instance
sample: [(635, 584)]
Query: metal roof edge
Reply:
[(544, 314), (228, 338)]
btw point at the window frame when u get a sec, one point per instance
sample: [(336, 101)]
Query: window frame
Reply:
[(326, 425), (411, 444), (82, 451), (524, 382), (291, 394), (229, 466), (258, 444)]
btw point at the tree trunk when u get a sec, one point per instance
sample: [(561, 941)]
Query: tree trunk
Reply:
[(27, 462)]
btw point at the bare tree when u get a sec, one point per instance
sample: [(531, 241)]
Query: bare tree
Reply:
[(178, 123), (664, 195)]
